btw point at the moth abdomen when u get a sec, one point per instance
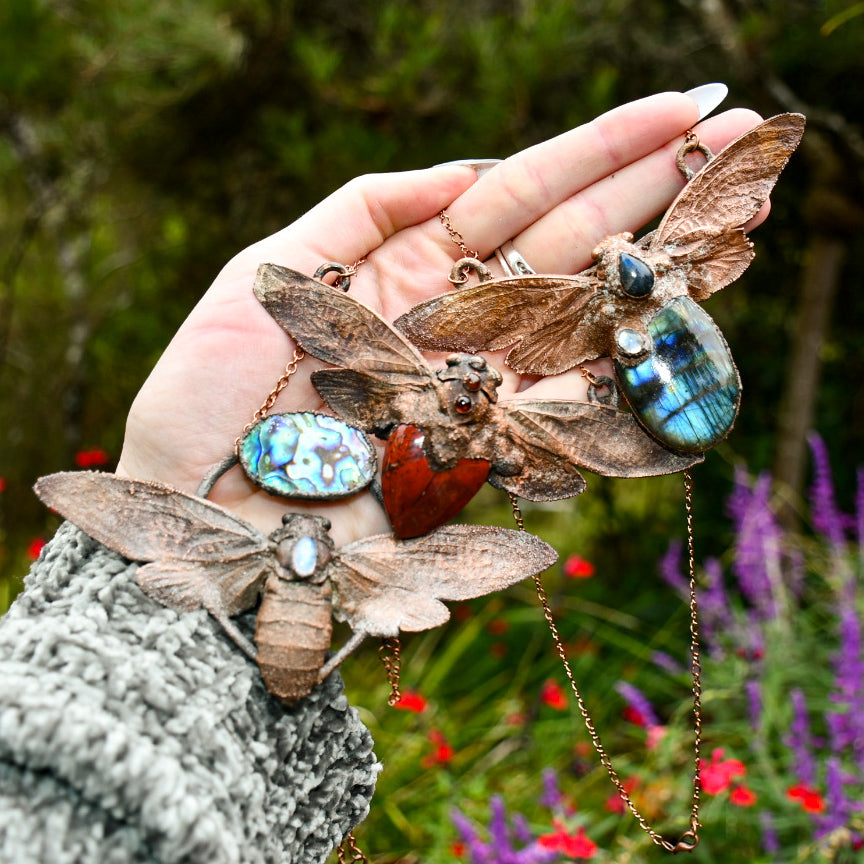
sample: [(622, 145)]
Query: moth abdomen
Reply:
[(292, 633)]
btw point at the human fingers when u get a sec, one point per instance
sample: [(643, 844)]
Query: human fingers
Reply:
[(530, 184), (563, 239)]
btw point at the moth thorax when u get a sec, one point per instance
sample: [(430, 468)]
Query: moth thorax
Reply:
[(302, 558)]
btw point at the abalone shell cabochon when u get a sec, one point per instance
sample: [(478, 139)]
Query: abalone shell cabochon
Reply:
[(307, 455)]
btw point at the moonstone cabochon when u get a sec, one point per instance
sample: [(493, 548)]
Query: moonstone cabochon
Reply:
[(687, 391), (307, 455)]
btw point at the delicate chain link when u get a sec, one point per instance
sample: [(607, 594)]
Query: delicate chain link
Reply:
[(349, 847), (390, 653), (455, 236), (345, 274), (270, 401), (689, 839)]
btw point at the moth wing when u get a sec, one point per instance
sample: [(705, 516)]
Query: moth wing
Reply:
[(492, 315), (147, 521), (581, 333), (712, 259), (370, 401), (732, 187), (384, 585), (224, 589), (600, 439), (332, 326)]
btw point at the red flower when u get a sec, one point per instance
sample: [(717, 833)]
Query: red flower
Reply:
[(578, 568), (633, 715), (457, 849), (810, 799), (498, 650), (576, 845), (91, 458), (2, 485), (442, 753), (411, 701), (717, 775), (553, 695), (741, 796), (35, 548), (498, 627)]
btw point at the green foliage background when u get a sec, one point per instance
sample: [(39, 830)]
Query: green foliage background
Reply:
[(144, 143)]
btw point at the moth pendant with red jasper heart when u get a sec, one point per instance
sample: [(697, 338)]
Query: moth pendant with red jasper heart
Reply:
[(532, 447), (638, 304)]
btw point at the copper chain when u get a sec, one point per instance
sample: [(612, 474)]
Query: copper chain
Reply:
[(344, 280), (690, 838), (455, 236), (349, 847), (390, 653)]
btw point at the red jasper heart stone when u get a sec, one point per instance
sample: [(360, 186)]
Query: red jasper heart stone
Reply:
[(416, 498)]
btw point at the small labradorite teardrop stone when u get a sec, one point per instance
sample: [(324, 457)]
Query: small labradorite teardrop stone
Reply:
[(304, 556), (637, 278), (686, 393), (307, 455)]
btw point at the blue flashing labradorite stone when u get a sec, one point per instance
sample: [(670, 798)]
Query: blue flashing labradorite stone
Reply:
[(307, 455), (637, 278), (686, 393), (304, 556)]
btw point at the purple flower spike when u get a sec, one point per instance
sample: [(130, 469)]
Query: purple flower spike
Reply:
[(770, 841), (551, 796), (827, 519), (800, 742), (670, 569), (637, 700), (753, 689)]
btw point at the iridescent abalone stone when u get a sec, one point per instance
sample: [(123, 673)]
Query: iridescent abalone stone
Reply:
[(307, 455), (686, 393)]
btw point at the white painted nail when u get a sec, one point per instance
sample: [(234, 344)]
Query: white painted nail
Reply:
[(707, 97), (481, 166)]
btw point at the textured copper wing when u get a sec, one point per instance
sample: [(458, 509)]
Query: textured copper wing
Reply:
[(384, 585), (604, 440), (700, 233), (202, 555)]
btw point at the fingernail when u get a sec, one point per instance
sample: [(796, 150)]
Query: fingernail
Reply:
[(707, 97), (481, 166)]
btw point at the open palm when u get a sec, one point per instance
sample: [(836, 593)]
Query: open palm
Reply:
[(555, 200)]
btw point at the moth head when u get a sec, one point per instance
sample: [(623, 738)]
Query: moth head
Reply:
[(472, 384), (303, 546), (626, 268)]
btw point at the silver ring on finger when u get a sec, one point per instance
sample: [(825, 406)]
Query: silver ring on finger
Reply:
[(511, 261)]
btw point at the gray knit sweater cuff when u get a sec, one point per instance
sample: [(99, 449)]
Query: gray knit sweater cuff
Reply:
[(132, 733)]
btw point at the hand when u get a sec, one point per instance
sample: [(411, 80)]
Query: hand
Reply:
[(555, 200)]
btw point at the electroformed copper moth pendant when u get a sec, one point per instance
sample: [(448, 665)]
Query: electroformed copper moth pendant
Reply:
[(638, 303), (532, 447), (201, 555)]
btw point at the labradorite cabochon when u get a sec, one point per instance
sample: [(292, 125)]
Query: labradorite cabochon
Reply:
[(686, 393), (307, 455)]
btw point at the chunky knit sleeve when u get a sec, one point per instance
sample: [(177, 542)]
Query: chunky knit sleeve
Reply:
[(133, 733)]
